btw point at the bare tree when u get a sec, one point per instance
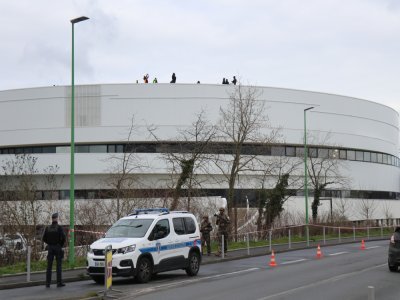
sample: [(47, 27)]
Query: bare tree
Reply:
[(190, 156), (387, 211), (123, 179), (367, 208), (342, 209), (324, 168), (243, 121), (21, 202)]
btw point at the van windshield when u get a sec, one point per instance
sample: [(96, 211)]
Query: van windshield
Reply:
[(130, 228)]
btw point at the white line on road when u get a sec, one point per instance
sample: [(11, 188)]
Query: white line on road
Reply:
[(338, 253), (372, 247), (293, 261), (173, 284), (328, 280)]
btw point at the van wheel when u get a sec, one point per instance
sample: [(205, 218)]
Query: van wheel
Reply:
[(393, 268), (194, 264), (144, 270), (98, 279)]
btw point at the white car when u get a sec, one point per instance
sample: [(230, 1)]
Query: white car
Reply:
[(147, 242)]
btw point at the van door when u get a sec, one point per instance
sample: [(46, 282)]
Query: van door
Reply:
[(162, 249)]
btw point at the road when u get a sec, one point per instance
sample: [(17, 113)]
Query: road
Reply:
[(345, 272)]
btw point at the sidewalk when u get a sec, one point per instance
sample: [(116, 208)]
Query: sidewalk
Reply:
[(38, 278)]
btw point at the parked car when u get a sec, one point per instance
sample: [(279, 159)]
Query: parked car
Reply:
[(146, 242), (394, 251)]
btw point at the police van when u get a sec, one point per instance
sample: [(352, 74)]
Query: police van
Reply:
[(146, 242)]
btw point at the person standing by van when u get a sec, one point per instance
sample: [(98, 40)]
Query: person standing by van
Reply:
[(205, 229)]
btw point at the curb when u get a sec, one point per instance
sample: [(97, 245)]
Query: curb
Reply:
[(220, 260)]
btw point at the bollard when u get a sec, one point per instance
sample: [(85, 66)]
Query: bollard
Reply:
[(290, 240), (270, 240), (354, 233), (371, 293), (323, 234), (28, 264), (222, 246), (248, 243), (340, 237)]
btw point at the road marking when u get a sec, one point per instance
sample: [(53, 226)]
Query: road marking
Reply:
[(373, 247), (293, 261), (328, 280), (338, 253), (183, 282)]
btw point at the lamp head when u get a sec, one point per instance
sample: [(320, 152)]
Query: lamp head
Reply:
[(80, 19)]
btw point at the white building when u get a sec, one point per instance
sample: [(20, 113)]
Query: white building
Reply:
[(365, 134)]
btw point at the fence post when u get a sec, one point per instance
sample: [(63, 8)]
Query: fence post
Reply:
[(381, 230), (371, 293), (354, 233), (290, 240), (248, 243), (28, 264), (308, 235), (222, 246), (270, 240), (323, 234), (367, 232), (340, 236)]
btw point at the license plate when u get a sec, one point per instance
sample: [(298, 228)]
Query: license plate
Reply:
[(99, 263)]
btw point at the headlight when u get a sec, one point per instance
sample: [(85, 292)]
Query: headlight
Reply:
[(127, 249), (90, 250)]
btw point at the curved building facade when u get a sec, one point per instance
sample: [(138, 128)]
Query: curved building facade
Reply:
[(363, 134)]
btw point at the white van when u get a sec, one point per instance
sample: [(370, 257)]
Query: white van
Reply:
[(147, 242)]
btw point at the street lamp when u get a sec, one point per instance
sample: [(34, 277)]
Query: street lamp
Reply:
[(306, 171), (71, 256)]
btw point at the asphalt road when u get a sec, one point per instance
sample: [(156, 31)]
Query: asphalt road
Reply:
[(345, 272)]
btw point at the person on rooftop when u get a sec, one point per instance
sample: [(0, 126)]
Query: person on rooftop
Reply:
[(173, 78)]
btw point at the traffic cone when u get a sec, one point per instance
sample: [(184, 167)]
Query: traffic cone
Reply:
[(272, 262), (362, 245), (319, 252)]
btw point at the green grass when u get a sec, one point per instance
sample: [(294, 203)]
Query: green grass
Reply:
[(38, 266)]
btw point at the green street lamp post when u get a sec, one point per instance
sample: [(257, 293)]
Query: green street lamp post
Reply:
[(306, 172), (71, 256)]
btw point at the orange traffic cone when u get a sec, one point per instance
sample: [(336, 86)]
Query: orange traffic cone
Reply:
[(362, 245), (319, 252), (272, 263)]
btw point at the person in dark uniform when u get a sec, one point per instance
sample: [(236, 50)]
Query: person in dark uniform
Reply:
[(54, 237), (173, 78)]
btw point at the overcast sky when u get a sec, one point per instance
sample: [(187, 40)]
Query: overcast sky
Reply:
[(344, 47)]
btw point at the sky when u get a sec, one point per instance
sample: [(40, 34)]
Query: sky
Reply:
[(343, 47)]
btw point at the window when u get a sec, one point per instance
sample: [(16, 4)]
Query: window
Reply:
[(312, 152), (290, 151), (160, 230), (277, 151), (37, 150), (385, 158), (63, 149), (119, 148), (190, 225), (97, 148), (389, 159), (359, 155), (342, 154), (111, 149), (351, 154), (323, 153), (49, 149), (299, 151), (81, 149), (367, 156), (179, 227), (374, 157), (130, 228), (380, 159), (333, 153)]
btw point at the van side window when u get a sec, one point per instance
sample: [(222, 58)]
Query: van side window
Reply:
[(190, 225), (179, 227), (160, 230)]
